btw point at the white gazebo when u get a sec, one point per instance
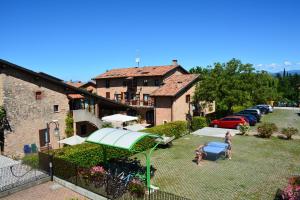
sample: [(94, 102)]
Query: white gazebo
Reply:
[(118, 120)]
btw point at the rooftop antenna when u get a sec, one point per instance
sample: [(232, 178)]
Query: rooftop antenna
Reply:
[(137, 59)]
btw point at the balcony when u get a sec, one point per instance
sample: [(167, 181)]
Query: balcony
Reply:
[(137, 102)]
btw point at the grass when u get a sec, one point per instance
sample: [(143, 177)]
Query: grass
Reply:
[(258, 168), (282, 118)]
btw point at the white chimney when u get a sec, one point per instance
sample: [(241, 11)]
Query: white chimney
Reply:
[(174, 62)]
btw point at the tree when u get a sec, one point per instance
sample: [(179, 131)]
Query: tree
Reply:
[(234, 84)]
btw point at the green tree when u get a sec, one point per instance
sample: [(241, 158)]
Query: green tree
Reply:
[(234, 84)]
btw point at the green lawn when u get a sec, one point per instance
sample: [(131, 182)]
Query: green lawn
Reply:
[(258, 168), (283, 118)]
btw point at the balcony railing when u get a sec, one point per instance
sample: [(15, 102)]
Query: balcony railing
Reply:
[(133, 102)]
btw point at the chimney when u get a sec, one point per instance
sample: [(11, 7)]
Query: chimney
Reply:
[(174, 62)]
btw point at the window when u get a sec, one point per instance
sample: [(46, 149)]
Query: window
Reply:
[(55, 108), (126, 95), (156, 82), (145, 82), (187, 98), (134, 83), (107, 83), (38, 95), (108, 95), (146, 97)]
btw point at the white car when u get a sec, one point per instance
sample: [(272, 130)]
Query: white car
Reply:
[(269, 106), (256, 110)]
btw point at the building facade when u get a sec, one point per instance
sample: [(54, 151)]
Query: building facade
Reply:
[(159, 94), (32, 100)]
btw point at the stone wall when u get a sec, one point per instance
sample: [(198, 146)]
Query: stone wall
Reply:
[(26, 114)]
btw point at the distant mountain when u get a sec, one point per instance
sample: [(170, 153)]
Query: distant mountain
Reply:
[(289, 72)]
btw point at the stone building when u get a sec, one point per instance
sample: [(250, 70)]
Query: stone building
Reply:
[(159, 94), (33, 99)]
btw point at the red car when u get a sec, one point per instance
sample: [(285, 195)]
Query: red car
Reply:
[(229, 122)]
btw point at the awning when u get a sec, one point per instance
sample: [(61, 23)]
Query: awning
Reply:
[(75, 96), (119, 118), (118, 138), (73, 140)]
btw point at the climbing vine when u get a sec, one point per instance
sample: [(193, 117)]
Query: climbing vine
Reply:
[(69, 125)]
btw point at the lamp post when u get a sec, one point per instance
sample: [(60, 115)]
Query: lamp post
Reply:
[(47, 139)]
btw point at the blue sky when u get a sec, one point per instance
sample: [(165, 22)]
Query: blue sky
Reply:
[(79, 39)]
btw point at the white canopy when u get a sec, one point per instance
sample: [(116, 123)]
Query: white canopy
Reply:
[(75, 139), (119, 118), (136, 127), (117, 137)]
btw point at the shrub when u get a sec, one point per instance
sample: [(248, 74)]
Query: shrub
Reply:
[(177, 129), (107, 125), (69, 125), (265, 130), (198, 122), (289, 132), (244, 129), (32, 160)]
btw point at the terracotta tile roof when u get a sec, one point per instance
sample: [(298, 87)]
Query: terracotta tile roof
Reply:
[(175, 84), (137, 71), (75, 96), (75, 84)]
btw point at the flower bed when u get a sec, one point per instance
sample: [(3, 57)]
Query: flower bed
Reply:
[(292, 191)]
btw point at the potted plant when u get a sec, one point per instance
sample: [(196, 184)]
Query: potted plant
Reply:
[(292, 191), (97, 175), (136, 188)]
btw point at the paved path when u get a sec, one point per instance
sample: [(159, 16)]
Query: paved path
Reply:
[(287, 108), (46, 191), (214, 132), (13, 173), (5, 161)]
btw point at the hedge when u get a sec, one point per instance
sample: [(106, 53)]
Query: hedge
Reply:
[(177, 129), (198, 122), (31, 160), (89, 154)]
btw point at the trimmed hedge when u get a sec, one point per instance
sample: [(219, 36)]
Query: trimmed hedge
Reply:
[(88, 154), (198, 122), (177, 129)]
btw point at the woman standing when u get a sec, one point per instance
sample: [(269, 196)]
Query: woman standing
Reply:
[(228, 140)]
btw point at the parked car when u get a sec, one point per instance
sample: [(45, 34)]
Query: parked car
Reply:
[(251, 118), (268, 106), (262, 109), (252, 112), (229, 122)]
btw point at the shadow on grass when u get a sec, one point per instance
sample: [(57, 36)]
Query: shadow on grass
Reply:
[(278, 195)]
